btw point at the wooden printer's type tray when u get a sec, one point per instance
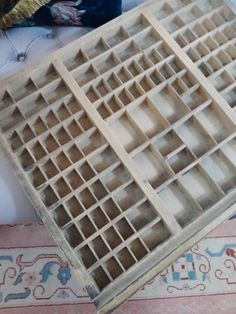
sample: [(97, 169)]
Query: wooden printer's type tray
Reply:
[(124, 147)]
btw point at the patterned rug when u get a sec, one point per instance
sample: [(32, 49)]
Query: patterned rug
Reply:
[(36, 278)]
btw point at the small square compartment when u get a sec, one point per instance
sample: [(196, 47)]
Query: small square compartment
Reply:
[(147, 38), (74, 179), (87, 256), (113, 267), (26, 159), (73, 105), (100, 247), (196, 98), (87, 198), (93, 50), (62, 136), (38, 151), (49, 197), (101, 278), (92, 94), (181, 160), (85, 122), (98, 190), (155, 235), (142, 215), (113, 81), (62, 161), (85, 75), (86, 171), (99, 218), (86, 227), (91, 143), (114, 104), (144, 62), (74, 207), (22, 88), (74, 129), (125, 97), (135, 90), (105, 63), (138, 249), (103, 160), (168, 143), (75, 60), (27, 133), (124, 75), (62, 187), (136, 25), (124, 229), (179, 204), (151, 168), (116, 36), (11, 119), (115, 178), (16, 141), (50, 169), (128, 196), (112, 238), (126, 258), (111, 209), (60, 216), (62, 112), (74, 153), (127, 51), (5, 100), (146, 83), (134, 68), (46, 75), (230, 97), (55, 91), (32, 104), (37, 177), (51, 119), (126, 133), (103, 88), (39, 126), (104, 110), (73, 236), (50, 143)]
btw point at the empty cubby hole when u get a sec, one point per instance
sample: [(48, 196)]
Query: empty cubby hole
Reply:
[(196, 97), (113, 81), (107, 62), (127, 50), (181, 160), (111, 209), (148, 118), (138, 249), (113, 267), (146, 83), (86, 227), (155, 235), (166, 71), (101, 278), (51, 119), (151, 167), (75, 59), (74, 129), (154, 56), (73, 104), (5, 100), (74, 179), (141, 215), (116, 36), (86, 171), (126, 258), (123, 74), (230, 97), (74, 207), (124, 228), (113, 104), (87, 198), (87, 256), (55, 91), (168, 143), (95, 48), (127, 133), (156, 77), (22, 88), (11, 119), (91, 143), (74, 153), (27, 133), (104, 159), (135, 90), (200, 187), (92, 93), (62, 136), (50, 169), (100, 247), (146, 38), (136, 24), (179, 86), (115, 178), (223, 80), (73, 236), (173, 24), (60, 216), (62, 161), (16, 141), (163, 11), (49, 197), (104, 110), (33, 104), (85, 122), (26, 159), (50, 143), (45, 75), (61, 187), (128, 196), (39, 126), (103, 88), (112, 238), (85, 75), (99, 218), (63, 112), (38, 151), (134, 68), (37, 177), (98, 190), (179, 204)]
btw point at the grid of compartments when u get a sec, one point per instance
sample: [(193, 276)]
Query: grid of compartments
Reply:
[(180, 140), (102, 213), (206, 30)]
